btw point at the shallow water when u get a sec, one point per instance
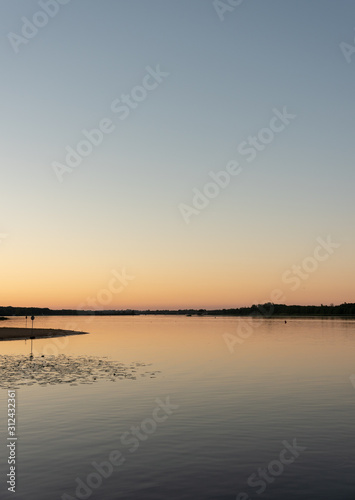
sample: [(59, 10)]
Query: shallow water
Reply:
[(183, 411)]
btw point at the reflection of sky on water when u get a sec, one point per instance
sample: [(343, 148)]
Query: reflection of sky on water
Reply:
[(21, 370)]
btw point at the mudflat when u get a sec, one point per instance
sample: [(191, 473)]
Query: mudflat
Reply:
[(8, 333)]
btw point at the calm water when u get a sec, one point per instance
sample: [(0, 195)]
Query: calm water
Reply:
[(181, 415)]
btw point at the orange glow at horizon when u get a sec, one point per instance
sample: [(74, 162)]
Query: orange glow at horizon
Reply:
[(180, 280)]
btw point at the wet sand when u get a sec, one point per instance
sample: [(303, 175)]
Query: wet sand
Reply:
[(8, 333)]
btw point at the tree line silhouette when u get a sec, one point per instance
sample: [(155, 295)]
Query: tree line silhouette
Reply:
[(268, 309)]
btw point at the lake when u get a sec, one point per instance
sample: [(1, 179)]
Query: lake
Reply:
[(188, 408)]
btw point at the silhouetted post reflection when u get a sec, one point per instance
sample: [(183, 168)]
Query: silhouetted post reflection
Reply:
[(31, 355)]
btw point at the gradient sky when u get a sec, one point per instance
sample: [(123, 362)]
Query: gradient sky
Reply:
[(119, 209)]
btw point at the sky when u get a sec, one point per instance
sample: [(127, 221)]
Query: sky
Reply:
[(176, 153)]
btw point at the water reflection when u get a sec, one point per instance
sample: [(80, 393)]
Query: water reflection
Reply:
[(21, 370)]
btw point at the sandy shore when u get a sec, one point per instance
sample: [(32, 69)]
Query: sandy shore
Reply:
[(8, 333)]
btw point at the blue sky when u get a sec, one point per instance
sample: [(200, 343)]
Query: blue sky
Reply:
[(120, 205)]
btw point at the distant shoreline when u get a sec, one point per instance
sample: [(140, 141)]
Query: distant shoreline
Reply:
[(266, 310), (9, 333)]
